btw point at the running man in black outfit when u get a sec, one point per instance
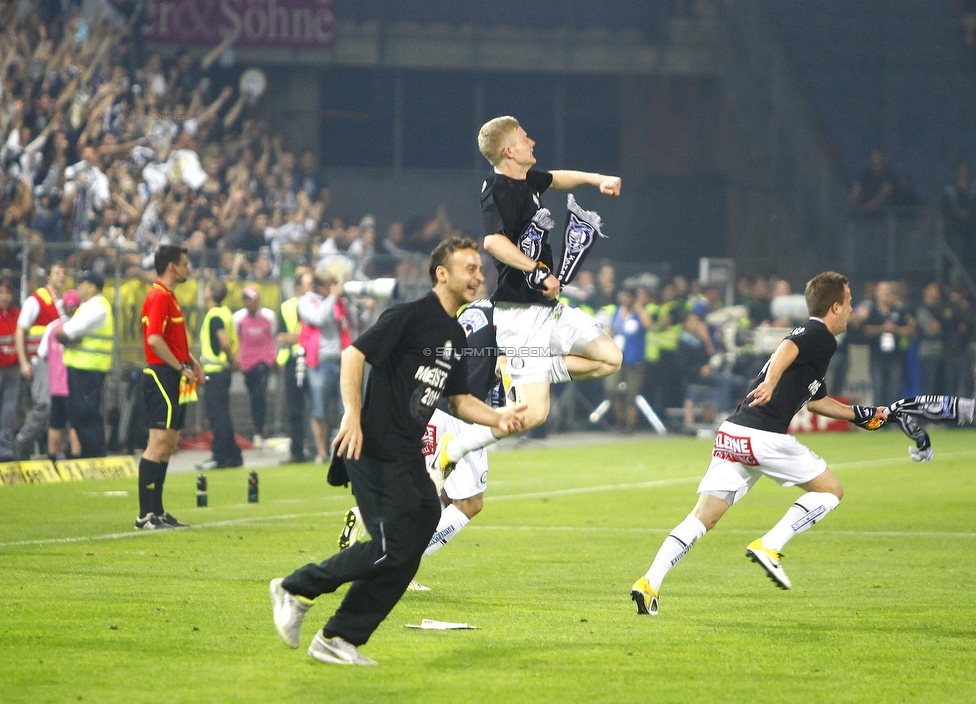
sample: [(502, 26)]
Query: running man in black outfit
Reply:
[(753, 442), (416, 354), (545, 341)]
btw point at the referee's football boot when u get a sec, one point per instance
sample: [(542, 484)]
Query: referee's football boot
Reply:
[(149, 522), (770, 561), (169, 521), (337, 651), (441, 460), (289, 611), (353, 529), (644, 597)]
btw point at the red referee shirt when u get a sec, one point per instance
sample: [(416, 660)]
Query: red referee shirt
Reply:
[(162, 315)]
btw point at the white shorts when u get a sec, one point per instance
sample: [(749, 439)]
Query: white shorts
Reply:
[(470, 477), (741, 455), (531, 335)]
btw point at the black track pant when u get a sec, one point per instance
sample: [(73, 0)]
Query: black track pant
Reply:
[(400, 508), (216, 401), (85, 410)]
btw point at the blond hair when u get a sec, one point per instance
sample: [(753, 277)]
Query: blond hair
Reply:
[(493, 137)]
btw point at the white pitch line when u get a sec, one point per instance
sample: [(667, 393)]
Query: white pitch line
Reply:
[(196, 526), (509, 497), (595, 489), (733, 531)]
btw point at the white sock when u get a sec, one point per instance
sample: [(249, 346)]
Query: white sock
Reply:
[(673, 549), (808, 509), (558, 371), (452, 521), (473, 437)]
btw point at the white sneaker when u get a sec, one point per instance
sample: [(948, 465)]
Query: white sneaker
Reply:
[(416, 586), (337, 651), (258, 442), (769, 559), (289, 611)]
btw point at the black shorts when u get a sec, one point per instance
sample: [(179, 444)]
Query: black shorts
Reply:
[(161, 391), (59, 413)]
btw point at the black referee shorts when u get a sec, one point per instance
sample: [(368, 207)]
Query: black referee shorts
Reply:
[(161, 391)]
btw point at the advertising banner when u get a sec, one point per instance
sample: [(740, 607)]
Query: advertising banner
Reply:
[(281, 24)]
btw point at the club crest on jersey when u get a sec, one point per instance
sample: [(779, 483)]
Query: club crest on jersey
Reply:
[(430, 440), (814, 387), (473, 320), (531, 241), (447, 351)]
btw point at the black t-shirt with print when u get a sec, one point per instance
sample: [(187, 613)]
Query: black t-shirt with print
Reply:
[(414, 350), (801, 382), (508, 206)]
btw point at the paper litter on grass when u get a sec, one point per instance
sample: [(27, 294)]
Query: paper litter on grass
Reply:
[(429, 624)]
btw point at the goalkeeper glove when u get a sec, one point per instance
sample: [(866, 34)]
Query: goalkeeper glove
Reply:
[(864, 418), (922, 452), (537, 276)]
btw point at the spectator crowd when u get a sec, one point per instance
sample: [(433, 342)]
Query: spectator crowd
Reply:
[(109, 152)]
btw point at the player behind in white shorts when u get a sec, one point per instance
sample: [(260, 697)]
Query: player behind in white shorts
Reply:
[(462, 492), (544, 341), (753, 442)]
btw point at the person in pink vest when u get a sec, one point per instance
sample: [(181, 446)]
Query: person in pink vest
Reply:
[(51, 350), (257, 350)]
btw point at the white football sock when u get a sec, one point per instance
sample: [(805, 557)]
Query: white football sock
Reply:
[(473, 437), (808, 509), (673, 549), (558, 371), (452, 521)]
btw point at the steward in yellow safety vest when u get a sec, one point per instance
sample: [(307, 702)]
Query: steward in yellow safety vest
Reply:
[(89, 340), (291, 358), (218, 350), (221, 358)]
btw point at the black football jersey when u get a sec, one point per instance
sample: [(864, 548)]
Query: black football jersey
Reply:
[(508, 206), (802, 381)]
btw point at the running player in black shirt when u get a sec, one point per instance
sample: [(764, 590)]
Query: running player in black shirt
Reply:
[(415, 351), (545, 341), (753, 442)]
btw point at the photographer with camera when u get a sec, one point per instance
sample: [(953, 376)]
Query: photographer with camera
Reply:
[(329, 324)]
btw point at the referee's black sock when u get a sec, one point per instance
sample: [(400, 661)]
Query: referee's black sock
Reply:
[(147, 486), (158, 494)]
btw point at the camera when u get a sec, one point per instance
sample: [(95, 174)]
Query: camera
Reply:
[(377, 288)]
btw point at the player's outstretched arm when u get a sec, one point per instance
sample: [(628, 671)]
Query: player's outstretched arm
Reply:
[(563, 180), (349, 440), (867, 417)]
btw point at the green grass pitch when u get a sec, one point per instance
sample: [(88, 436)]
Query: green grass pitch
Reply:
[(882, 610)]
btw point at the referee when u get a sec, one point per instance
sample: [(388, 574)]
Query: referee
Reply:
[(169, 363), (416, 351)]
